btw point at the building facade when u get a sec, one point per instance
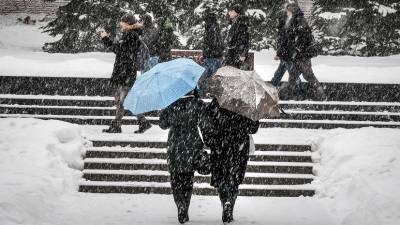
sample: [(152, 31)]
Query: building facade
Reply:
[(30, 6)]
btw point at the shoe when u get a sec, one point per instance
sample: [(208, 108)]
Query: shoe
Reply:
[(143, 128), (112, 129), (320, 94), (183, 216), (227, 213)]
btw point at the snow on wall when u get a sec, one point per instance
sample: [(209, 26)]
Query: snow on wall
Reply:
[(30, 6)]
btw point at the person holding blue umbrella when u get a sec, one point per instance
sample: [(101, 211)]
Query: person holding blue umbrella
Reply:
[(170, 86), (185, 148)]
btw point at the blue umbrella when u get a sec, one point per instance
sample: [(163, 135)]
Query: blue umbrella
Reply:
[(162, 85)]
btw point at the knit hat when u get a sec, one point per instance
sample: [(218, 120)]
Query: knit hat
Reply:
[(292, 7), (239, 9), (129, 19)]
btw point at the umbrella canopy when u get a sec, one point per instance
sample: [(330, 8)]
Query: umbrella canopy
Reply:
[(245, 93), (162, 85)]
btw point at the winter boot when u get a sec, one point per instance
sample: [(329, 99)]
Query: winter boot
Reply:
[(227, 213), (319, 93), (143, 127), (183, 215), (114, 128)]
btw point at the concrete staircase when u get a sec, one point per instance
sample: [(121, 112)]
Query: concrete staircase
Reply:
[(141, 167), (138, 165)]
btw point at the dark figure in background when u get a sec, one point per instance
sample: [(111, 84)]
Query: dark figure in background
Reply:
[(184, 147), (238, 42), (285, 64), (165, 40), (296, 44), (124, 73), (227, 135), (150, 37), (213, 49)]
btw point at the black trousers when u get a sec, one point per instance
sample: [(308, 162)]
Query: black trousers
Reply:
[(182, 188), (302, 66), (120, 93)]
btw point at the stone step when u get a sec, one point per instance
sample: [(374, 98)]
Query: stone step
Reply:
[(20, 85), (110, 111), (265, 123), (163, 176), (160, 164), (140, 153), (199, 189), (163, 144), (105, 101)]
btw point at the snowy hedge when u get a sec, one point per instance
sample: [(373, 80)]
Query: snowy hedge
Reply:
[(361, 28)]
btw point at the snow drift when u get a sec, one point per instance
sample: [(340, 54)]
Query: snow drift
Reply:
[(39, 162), (359, 175)]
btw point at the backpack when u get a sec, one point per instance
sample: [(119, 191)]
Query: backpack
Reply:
[(142, 56)]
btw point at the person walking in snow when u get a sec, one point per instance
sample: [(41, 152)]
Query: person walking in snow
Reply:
[(296, 46), (124, 72), (213, 48), (227, 135), (238, 41), (165, 40), (184, 147), (150, 37), (285, 61)]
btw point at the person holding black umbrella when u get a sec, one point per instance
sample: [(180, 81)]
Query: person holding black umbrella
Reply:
[(227, 135)]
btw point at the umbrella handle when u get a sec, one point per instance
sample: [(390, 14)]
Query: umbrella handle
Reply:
[(282, 111)]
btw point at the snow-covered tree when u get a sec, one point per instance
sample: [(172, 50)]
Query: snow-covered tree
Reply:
[(80, 21), (262, 14), (353, 27)]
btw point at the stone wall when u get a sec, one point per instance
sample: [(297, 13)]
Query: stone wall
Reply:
[(30, 6)]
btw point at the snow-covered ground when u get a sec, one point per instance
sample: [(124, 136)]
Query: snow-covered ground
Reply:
[(21, 55), (40, 164), (40, 161)]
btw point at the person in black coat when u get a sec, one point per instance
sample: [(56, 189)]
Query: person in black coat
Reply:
[(296, 45), (124, 72), (282, 55), (227, 135), (165, 40), (213, 48), (184, 147), (238, 42)]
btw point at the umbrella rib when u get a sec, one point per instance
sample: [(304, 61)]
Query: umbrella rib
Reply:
[(161, 96)]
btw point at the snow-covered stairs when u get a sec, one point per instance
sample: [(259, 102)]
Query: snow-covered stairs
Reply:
[(141, 167), (97, 110)]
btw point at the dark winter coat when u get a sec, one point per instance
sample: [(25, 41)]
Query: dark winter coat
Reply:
[(125, 49), (296, 41), (227, 135), (213, 45), (164, 41), (184, 141), (150, 37), (238, 42)]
